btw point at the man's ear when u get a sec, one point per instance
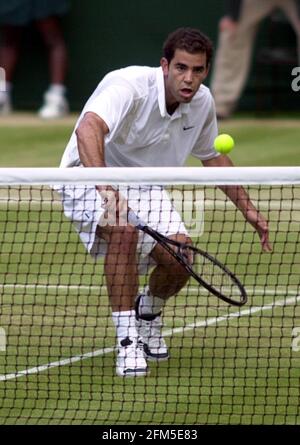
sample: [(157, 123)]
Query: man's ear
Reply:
[(208, 69), (165, 66)]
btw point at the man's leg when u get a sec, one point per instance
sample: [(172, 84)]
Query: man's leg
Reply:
[(9, 55), (121, 266), (52, 35), (233, 56), (166, 280), (169, 277), (122, 284), (55, 104)]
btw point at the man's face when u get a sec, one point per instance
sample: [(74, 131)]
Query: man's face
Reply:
[(183, 76)]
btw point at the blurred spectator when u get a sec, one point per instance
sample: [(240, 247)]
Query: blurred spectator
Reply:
[(14, 15), (237, 32)]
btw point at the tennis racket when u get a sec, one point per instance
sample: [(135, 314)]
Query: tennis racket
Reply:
[(204, 268)]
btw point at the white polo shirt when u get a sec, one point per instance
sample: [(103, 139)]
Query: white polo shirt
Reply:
[(132, 103)]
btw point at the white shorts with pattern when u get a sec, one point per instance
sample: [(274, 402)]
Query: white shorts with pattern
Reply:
[(83, 206)]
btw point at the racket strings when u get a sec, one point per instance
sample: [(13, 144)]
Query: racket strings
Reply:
[(214, 275)]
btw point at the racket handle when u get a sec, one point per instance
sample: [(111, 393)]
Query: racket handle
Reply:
[(135, 220)]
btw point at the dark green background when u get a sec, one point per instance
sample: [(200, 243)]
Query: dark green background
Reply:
[(105, 35)]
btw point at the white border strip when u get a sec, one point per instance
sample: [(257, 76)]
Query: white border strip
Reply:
[(255, 290), (151, 175), (168, 333)]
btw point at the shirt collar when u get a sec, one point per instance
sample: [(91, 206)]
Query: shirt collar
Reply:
[(161, 96)]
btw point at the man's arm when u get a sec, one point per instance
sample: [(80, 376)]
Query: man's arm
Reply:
[(91, 148), (241, 199), (90, 140)]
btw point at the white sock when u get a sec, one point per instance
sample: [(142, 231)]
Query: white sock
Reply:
[(125, 324), (57, 88), (150, 305)]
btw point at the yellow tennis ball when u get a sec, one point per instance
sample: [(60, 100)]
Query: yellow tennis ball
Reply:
[(224, 143)]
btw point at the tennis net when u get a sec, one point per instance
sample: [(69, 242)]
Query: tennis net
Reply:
[(227, 365)]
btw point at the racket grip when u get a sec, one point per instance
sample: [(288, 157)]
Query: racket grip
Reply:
[(135, 220)]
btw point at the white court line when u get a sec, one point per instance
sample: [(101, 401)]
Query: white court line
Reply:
[(256, 290), (167, 333)]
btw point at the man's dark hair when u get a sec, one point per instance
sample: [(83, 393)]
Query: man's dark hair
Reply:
[(190, 40)]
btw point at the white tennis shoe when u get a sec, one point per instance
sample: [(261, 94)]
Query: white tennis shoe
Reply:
[(55, 106), (131, 360), (149, 331)]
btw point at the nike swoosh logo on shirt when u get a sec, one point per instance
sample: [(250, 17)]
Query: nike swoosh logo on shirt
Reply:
[(187, 128)]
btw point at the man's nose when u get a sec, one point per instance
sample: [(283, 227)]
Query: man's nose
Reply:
[(188, 76)]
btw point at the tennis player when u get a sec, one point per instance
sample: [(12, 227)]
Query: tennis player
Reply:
[(145, 117)]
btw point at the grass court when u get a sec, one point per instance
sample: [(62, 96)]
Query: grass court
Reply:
[(227, 365)]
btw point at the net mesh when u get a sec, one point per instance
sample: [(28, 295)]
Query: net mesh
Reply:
[(227, 365)]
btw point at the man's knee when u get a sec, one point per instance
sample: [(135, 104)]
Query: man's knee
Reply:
[(171, 265), (162, 256), (173, 268), (177, 270)]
